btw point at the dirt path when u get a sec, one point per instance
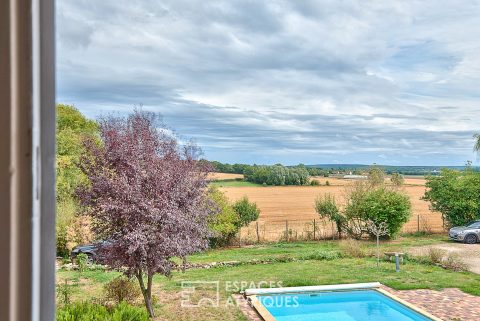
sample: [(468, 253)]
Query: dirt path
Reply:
[(469, 253)]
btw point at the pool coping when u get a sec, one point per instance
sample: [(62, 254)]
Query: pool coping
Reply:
[(251, 296)]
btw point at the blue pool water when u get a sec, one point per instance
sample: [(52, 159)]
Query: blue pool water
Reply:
[(363, 305)]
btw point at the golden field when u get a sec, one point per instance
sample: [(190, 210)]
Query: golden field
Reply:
[(295, 204), (222, 176)]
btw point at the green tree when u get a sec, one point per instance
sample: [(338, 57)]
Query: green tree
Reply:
[(247, 211), (376, 176), (380, 205), (327, 208), (72, 127), (225, 224), (456, 195), (397, 179), (366, 204)]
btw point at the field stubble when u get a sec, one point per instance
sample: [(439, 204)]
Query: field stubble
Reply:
[(291, 208)]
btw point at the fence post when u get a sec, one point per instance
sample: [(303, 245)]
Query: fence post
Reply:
[(286, 230), (314, 229), (258, 234), (333, 232), (418, 223)]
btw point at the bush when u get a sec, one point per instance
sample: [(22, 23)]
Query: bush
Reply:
[(327, 208), (225, 224), (82, 261), (352, 248), (96, 312), (456, 195), (322, 256), (397, 179), (64, 292), (379, 204), (121, 289), (314, 182), (327, 183), (435, 256), (376, 176), (455, 263), (246, 211)]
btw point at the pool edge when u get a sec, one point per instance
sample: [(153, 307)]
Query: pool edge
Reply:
[(408, 304), (261, 310)]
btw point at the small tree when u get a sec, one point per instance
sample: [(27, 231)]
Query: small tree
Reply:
[(397, 179), (365, 202), (327, 208), (247, 212), (456, 195), (146, 195), (224, 224), (376, 176), (381, 204), (378, 229)]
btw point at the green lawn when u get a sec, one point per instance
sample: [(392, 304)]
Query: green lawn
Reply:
[(233, 183), (302, 249), (308, 272)]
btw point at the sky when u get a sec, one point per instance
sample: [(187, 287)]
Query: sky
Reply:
[(313, 82)]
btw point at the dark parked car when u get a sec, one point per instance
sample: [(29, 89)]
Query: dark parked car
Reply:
[(91, 250), (469, 234)]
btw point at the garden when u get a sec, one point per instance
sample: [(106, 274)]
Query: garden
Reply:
[(168, 237), (277, 264)]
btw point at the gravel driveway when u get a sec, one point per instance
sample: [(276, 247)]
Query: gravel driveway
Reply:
[(469, 253)]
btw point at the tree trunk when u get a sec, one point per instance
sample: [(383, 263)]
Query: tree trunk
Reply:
[(146, 292), (184, 263), (378, 250)]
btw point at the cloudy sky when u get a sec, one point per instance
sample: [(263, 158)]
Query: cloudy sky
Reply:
[(388, 82)]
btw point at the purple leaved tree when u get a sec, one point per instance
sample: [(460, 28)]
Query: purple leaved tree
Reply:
[(146, 195)]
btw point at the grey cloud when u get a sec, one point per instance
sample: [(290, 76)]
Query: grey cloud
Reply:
[(274, 81)]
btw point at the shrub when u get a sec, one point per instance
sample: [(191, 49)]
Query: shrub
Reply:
[(225, 223), (352, 248), (64, 292), (121, 289), (247, 212), (82, 261), (322, 256), (435, 256), (314, 182), (455, 263), (397, 179), (376, 176), (379, 204), (327, 183), (96, 312), (456, 195), (327, 208)]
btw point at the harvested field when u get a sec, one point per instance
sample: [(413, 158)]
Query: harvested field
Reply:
[(295, 204), (222, 176)]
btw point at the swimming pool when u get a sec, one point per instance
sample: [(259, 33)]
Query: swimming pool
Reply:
[(367, 302)]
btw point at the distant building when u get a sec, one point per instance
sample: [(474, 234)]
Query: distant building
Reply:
[(350, 176)]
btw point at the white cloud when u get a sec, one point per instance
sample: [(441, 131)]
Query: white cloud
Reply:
[(401, 76)]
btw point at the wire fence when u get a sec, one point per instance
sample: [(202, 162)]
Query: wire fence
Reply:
[(320, 229)]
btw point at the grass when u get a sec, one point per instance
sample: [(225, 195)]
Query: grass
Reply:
[(302, 249), (413, 275), (233, 183)]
